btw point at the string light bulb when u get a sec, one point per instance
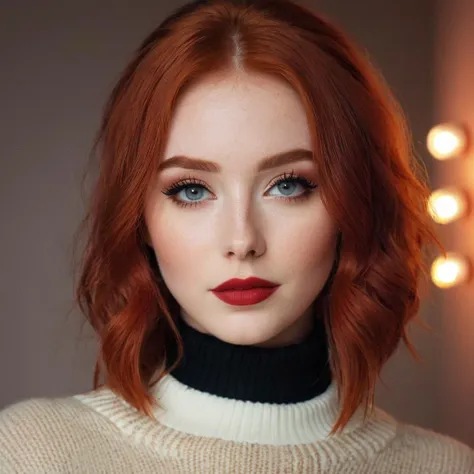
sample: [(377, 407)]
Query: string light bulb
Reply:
[(446, 140), (450, 271), (447, 205)]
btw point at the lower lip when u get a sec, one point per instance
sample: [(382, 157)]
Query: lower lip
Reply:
[(245, 297)]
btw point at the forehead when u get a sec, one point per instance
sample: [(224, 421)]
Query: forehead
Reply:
[(239, 115)]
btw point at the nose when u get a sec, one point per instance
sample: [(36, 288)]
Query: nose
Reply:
[(243, 235)]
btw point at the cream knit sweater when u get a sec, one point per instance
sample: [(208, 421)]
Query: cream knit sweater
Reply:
[(196, 432)]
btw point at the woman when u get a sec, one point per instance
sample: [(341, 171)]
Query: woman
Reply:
[(255, 245)]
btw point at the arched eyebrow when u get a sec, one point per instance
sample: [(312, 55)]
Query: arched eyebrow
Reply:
[(283, 158)]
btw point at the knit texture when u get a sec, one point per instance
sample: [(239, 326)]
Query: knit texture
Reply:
[(224, 409), (98, 432)]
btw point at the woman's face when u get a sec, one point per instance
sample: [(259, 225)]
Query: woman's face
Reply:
[(240, 216)]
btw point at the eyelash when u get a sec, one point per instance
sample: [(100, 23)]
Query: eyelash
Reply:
[(292, 177)]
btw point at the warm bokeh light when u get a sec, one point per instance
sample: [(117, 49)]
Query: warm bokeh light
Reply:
[(450, 271), (447, 204), (446, 141)]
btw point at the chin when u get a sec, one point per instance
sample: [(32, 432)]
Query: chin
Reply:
[(248, 333), (247, 340)]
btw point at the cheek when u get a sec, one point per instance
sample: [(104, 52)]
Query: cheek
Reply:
[(179, 243), (308, 242)]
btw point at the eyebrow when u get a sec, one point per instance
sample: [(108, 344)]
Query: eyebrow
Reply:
[(279, 159)]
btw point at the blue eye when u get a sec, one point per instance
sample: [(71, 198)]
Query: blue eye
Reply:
[(192, 192), (287, 183), (287, 187)]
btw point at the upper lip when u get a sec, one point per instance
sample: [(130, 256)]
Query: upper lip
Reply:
[(239, 284)]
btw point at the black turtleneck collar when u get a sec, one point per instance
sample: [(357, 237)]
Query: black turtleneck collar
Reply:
[(288, 374)]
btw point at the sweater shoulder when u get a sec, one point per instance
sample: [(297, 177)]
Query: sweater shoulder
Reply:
[(39, 414), (436, 452), (42, 432)]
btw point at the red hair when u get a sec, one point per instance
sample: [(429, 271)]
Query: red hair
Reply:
[(370, 180)]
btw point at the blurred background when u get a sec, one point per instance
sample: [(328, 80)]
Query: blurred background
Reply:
[(58, 62)]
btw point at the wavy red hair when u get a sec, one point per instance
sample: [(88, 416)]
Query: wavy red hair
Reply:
[(371, 182)]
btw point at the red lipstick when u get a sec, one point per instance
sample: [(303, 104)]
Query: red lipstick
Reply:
[(240, 292)]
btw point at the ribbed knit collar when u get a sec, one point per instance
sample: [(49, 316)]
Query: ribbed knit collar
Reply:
[(289, 374), (252, 394)]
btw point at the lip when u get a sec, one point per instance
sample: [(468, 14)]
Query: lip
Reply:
[(238, 292), (244, 284)]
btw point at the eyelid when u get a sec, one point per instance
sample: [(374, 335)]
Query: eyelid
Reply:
[(182, 183), (292, 176)]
